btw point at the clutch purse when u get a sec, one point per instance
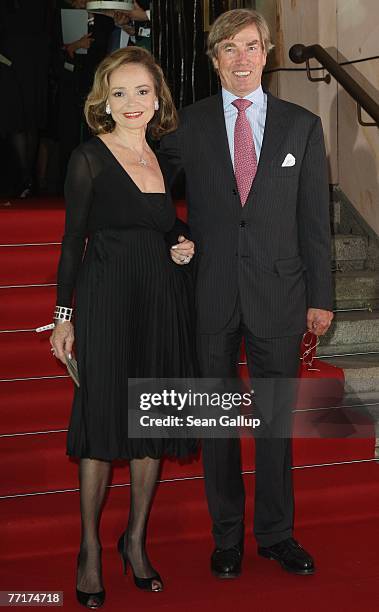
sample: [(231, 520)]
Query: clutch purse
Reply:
[(72, 369)]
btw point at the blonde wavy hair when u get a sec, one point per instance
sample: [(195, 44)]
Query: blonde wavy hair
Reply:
[(228, 24), (165, 120)]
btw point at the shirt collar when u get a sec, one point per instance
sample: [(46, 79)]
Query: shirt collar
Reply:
[(256, 97)]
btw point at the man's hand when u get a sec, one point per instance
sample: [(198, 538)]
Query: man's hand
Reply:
[(182, 252), (122, 20), (318, 320), (137, 14), (83, 43)]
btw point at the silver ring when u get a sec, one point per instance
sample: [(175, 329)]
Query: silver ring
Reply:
[(187, 259)]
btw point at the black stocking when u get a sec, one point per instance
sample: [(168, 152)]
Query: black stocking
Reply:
[(93, 477), (19, 144), (144, 475), (25, 146), (32, 136)]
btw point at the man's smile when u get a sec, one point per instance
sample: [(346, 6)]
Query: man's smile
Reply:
[(242, 74)]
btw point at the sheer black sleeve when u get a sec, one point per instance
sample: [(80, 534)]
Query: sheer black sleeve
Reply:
[(78, 196), (180, 228)]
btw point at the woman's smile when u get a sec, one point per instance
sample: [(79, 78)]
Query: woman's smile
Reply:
[(134, 115)]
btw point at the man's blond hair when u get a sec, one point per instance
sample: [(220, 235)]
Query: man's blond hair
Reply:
[(228, 24)]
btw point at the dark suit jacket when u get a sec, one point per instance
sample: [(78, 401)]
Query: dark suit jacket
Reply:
[(275, 251)]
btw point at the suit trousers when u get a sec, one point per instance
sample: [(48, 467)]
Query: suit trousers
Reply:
[(274, 358)]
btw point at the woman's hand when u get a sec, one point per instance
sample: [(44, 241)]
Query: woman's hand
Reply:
[(182, 252), (62, 340)]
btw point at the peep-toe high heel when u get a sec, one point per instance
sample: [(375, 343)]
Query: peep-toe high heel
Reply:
[(145, 584), (85, 598)]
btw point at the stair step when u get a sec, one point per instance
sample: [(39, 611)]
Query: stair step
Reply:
[(51, 523), (45, 405), (38, 463), (42, 221), (26, 307), (361, 373), (28, 265), (356, 289), (35, 405), (27, 355), (349, 252), (351, 332)]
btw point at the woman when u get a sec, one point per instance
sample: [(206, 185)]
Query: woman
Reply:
[(133, 314)]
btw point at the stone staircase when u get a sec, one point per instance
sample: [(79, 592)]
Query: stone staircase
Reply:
[(352, 342)]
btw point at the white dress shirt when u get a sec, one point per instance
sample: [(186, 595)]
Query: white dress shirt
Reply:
[(256, 114)]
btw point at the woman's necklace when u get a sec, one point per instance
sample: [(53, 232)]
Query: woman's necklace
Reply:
[(142, 160)]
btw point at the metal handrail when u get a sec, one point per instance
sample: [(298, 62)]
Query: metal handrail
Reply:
[(300, 53)]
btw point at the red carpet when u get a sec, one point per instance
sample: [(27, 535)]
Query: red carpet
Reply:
[(343, 583), (337, 506), (336, 519), (26, 307)]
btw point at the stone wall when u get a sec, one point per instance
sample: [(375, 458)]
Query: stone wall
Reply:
[(352, 28)]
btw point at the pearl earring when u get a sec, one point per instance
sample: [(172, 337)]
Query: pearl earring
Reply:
[(108, 109), (156, 105)]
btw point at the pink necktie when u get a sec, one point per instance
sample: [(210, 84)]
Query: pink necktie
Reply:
[(245, 157)]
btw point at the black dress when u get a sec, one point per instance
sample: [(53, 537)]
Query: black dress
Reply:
[(133, 310)]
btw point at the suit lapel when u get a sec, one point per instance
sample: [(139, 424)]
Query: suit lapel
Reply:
[(272, 138), (214, 124), (216, 129)]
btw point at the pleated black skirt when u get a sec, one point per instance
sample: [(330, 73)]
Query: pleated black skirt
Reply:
[(134, 319)]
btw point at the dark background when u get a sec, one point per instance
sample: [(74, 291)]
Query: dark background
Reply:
[(178, 44)]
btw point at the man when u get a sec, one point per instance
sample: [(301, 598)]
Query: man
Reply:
[(257, 194), (141, 11), (135, 24)]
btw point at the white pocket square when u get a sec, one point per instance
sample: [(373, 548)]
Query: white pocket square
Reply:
[(289, 161)]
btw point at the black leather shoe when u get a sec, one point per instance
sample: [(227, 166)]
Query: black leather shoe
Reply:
[(291, 556), (227, 563)]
